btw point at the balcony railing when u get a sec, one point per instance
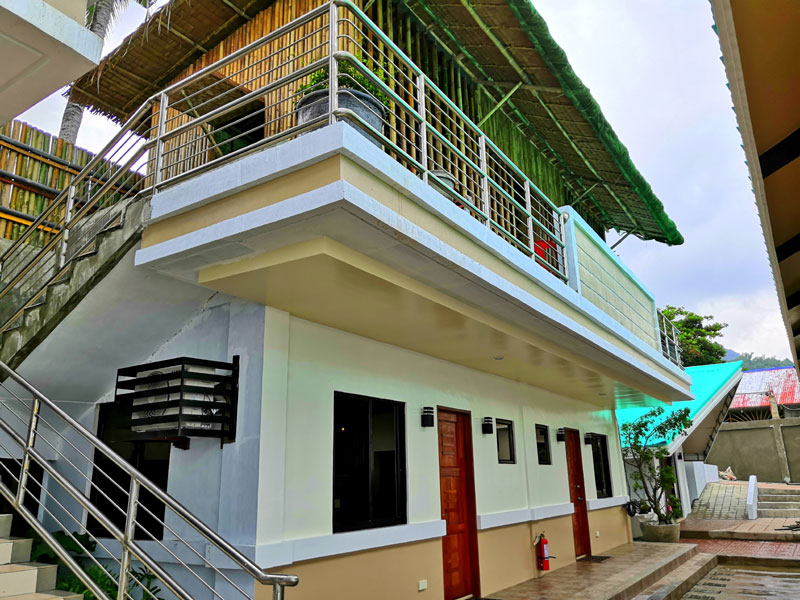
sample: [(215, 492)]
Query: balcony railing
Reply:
[(330, 64), (670, 339)]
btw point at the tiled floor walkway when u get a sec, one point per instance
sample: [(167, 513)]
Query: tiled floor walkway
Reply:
[(756, 529), (737, 583), (723, 500), (753, 548), (625, 570)]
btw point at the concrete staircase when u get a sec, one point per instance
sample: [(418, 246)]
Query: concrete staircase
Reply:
[(674, 583), (779, 502), (21, 579), (99, 245)]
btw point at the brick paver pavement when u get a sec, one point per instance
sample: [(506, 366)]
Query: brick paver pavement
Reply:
[(754, 548), (723, 500), (755, 529)]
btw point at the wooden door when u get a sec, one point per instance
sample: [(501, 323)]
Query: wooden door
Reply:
[(459, 545), (577, 494)]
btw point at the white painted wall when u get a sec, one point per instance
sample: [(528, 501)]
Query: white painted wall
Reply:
[(323, 360), (697, 476)]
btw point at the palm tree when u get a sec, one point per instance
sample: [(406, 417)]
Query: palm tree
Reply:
[(100, 15)]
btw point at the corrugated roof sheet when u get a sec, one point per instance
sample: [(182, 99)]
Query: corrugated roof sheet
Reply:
[(756, 386), (707, 383)]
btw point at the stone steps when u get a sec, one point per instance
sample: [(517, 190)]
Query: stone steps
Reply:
[(773, 504), (778, 497), (778, 513), (21, 579), (642, 581), (679, 581)]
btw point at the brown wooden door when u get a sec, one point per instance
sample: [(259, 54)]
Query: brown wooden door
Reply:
[(577, 494), (459, 545)]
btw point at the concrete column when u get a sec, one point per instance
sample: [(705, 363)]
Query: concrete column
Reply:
[(780, 450)]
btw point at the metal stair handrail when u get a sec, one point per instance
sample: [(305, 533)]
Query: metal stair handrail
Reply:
[(35, 429)]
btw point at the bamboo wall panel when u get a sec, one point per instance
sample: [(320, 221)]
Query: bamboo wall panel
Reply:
[(14, 161)]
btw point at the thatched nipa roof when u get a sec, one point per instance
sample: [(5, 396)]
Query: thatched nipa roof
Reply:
[(156, 53), (504, 42)]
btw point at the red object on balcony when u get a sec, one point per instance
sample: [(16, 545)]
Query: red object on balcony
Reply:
[(544, 247)]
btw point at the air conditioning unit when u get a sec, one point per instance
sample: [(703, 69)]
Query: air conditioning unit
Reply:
[(181, 398)]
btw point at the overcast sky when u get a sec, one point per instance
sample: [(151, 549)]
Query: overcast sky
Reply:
[(654, 67)]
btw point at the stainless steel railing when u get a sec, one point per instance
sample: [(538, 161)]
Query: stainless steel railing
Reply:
[(61, 475), (670, 339), (253, 98)]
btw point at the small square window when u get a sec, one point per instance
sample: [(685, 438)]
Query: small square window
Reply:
[(505, 442), (543, 445)]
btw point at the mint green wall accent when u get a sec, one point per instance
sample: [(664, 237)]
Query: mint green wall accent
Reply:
[(608, 284)]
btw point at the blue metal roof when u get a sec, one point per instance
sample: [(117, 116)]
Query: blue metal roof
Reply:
[(707, 382)]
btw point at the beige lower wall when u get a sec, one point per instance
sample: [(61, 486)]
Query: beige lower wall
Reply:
[(506, 556), (614, 526), (386, 573)]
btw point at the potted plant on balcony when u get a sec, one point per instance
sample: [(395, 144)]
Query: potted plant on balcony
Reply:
[(644, 443), (357, 93)]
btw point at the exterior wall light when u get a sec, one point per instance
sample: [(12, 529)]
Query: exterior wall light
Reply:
[(587, 438), (560, 435), (487, 426), (427, 416)]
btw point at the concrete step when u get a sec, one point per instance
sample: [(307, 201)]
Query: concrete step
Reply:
[(51, 595), (679, 555), (676, 583), (5, 525), (15, 550), (26, 578), (778, 513), (778, 498), (774, 504), (779, 491)]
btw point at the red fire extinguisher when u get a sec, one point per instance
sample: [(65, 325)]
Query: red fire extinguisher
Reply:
[(542, 553)]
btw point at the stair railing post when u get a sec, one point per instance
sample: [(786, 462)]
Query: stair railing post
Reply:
[(127, 538), (163, 100), (333, 65), (30, 440), (277, 591), (62, 249)]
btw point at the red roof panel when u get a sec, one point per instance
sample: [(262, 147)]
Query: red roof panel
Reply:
[(756, 386)]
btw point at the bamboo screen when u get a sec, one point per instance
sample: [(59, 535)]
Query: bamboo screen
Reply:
[(29, 181)]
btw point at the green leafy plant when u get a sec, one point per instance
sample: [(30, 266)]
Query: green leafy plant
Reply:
[(645, 452), (349, 77), (696, 334), (78, 545)]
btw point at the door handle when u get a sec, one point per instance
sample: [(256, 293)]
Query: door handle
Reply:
[(579, 498)]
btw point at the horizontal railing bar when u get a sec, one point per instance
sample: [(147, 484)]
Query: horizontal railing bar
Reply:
[(231, 551)]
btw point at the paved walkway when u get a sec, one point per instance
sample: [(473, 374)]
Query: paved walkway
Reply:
[(750, 548), (755, 529), (723, 500), (628, 571)]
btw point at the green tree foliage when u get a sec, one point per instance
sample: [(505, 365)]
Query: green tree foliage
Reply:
[(649, 479), (750, 361), (696, 334)]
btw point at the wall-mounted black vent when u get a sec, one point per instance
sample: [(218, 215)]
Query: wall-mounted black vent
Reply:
[(181, 398)]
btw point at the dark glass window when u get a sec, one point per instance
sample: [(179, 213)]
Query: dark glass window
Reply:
[(505, 442), (543, 445), (369, 463), (602, 472), (110, 484)]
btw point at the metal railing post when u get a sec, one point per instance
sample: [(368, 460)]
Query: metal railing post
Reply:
[(62, 250), (529, 219), (130, 529), (163, 100), (30, 440), (423, 126), (277, 591), (484, 180), (333, 65)]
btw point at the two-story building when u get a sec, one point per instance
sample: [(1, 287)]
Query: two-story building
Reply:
[(385, 221)]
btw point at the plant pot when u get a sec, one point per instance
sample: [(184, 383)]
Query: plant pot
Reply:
[(661, 533), (446, 180), (315, 104)]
